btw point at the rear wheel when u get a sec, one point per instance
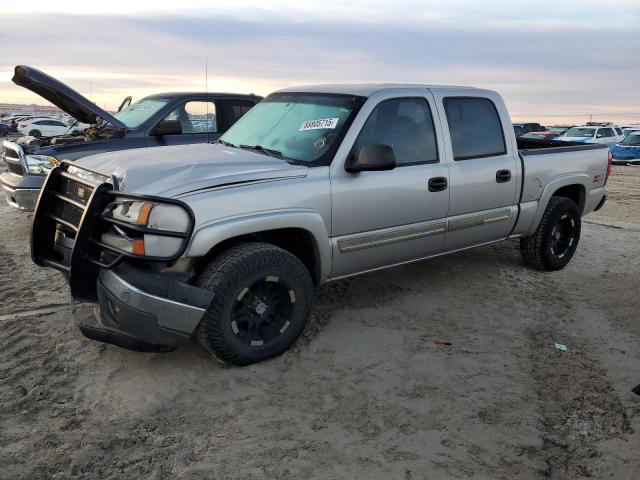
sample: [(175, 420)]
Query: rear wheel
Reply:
[(553, 245), (35, 133), (263, 297)]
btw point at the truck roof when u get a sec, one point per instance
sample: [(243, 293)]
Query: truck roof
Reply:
[(201, 94), (367, 89)]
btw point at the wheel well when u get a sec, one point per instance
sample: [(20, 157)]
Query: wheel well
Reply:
[(574, 192), (296, 241)]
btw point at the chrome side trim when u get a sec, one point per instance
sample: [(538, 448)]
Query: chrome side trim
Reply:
[(414, 260), (169, 314), (356, 242), (478, 220)]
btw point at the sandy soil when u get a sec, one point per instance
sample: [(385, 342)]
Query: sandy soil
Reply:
[(366, 394)]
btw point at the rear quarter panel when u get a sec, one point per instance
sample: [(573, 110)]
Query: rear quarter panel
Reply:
[(548, 170)]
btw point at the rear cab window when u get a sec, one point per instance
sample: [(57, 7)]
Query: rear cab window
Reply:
[(235, 109), (475, 128)]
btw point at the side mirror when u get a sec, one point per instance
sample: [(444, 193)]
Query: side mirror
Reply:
[(167, 127), (372, 158)]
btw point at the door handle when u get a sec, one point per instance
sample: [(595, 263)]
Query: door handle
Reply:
[(437, 184), (503, 176)]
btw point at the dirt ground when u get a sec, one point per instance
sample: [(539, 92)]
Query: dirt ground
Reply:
[(366, 394)]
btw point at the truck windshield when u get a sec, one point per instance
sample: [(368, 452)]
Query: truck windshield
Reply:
[(300, 127), (580, 132), (137, 113)]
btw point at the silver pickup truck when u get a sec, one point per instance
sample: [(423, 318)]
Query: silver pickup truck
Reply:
[(226, 242)]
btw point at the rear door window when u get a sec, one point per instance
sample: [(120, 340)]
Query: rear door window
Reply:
[(475, 128)]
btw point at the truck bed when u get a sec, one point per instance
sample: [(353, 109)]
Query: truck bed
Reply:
[(545, 167)]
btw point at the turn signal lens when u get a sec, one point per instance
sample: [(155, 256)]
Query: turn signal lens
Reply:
[(145, 211), (138, 246)]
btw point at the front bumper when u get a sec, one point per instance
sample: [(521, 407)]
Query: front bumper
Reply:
[(24, 199), (601, 203), (135, 319), (624, 161)]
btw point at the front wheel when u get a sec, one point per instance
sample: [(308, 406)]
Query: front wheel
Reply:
[(553, 245), (35, 133), (262, 300)]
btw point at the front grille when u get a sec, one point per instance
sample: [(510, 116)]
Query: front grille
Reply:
[(10, 151), (15, 168), (67, 212), (14, 158), (69, 198), (75, 190)]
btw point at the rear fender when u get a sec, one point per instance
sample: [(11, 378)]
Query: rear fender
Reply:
[(582, 179)]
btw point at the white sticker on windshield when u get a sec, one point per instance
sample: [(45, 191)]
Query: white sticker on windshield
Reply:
[(318, 124)]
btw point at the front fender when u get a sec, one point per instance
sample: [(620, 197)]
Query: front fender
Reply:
[(208, 236)]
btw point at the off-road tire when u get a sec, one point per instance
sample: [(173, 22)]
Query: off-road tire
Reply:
[(538, 250), (35, 133), (231, 273)]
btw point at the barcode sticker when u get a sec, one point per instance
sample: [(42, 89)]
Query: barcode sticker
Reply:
[(319, 124)]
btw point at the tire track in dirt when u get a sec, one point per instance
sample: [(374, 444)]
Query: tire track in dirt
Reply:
[(579, 406)]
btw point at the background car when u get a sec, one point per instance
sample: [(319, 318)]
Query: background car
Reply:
[(626, 131), (4, 129), (522, 128), (43, 127), (591, 134), (628, 150), (546, 135), (559, 129)]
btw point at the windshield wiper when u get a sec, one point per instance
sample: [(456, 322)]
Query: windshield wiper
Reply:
[(226, 144), (261, 149)]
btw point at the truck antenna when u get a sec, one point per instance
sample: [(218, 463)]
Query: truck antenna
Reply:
[(206, 89)]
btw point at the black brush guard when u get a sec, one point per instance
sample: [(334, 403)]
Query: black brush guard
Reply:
[(73, 205)]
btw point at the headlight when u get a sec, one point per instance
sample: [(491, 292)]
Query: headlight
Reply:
[(41, 164), (146, 228)]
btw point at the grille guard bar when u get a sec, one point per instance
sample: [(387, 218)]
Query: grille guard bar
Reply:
[(82, 203), (122, 254)]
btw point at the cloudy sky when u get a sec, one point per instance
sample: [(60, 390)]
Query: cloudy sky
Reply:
[(556, 61)]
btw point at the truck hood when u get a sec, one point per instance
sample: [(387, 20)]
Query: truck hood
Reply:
[(177, 170), (62, 96)]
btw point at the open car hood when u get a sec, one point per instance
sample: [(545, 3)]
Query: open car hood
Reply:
[(63, 97)]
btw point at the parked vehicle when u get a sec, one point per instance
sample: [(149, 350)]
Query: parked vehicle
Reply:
[(559, 130), (227, 241), (546, 135), (522, 128), (161, 119), (591, 134), (43, 127), (4, 129), (627, 151), (626, 131)]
